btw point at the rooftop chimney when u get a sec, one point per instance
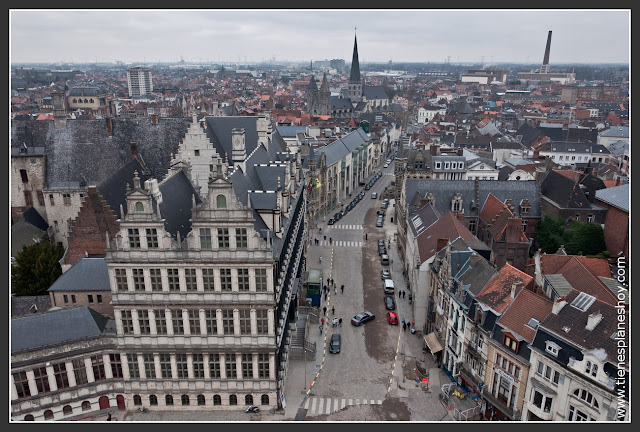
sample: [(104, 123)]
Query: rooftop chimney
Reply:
[(593, 320), (59, 110), (441, 243), (558, 304), (154, 119), (109, 126), (545, 62), (134, 149)]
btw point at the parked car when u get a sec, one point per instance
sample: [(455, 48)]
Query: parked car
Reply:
[(389, 302), (331, 221), (382, 250), (392, 318), (380, 242), (374, 195), (367, 187), (386, 165), (384, 205), (362, 318), (379, 223), (385, 274), (334, 345), (381, 212), (379, 173), (384, 259)]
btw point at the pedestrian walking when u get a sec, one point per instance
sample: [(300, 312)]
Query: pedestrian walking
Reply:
[(324, 312), (404, 326), (402, 321), (320, 259), (340, 322), (335, 290), (333, 310), (325, 296), (330, 240), (109, 417), (365, 236), (342, 288)]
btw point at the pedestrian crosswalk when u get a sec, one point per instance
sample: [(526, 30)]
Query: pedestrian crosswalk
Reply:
[(347, 227), (341, 243), (320, 405)]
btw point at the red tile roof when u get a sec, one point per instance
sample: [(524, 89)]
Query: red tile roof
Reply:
[(525, 306), (447, 226), (497, 293)]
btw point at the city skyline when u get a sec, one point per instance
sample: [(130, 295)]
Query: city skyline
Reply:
[(480, 36)]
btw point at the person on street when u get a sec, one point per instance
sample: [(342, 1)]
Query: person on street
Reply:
[(404, 326), (335, 290), (342, 288), (340, 322), (333, 310), (109, 417), (324, 311)]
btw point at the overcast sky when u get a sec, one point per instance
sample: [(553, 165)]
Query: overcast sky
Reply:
[(596, 36)]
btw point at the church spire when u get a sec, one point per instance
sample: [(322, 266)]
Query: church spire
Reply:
[(325, 84), (355, 64)]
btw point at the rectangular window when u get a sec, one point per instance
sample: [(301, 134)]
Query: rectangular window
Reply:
[(149, 366), (97, 363), (134, 237), (138, 279), (22, 384), (227, 321), (205, 238), (243, 279), (247, 366), (263, 321), (174, 279), (537, 399), (165, 365), (190, 279), (591, 218), (261, 280), (210, 319), (134, 368), (225, 279), (73, 299), (25, 177), (155, 277), (121, 279), (40, 196), (42, 381), (181, 366), (223, 238), (80, 371), (161, 321), (127, 322), (152, 238), (178, 324), (28, 198), (208, 279), (245, 321), (60, 373), (524, 226), (214, 366), (263, 366), (198, 365), (66, 199), (99, 298), (52, 200), (116, 365), (241, 238), (143, 320), (194, 322), (66, 299), (230, 365), (90, 299)]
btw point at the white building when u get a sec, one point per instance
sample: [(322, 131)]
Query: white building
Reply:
[(139, 81)]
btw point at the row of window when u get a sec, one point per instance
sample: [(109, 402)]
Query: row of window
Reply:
[(158, 320), (200, 400), (66, 410), (450, 165), (223, 238), (219, 366), (28, 196), (81, 101), (61, 375), (209, 279), (89, 299)]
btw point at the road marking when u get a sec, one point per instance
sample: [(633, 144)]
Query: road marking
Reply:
[(341, 243), (328, 406), (343, 403), (313, 404), (320, 404), (306, 403), (335, 405)]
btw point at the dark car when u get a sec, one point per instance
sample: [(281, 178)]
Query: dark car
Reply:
[(343, 212), (382, 250), (380, 242), (379, 173), (331, 221), (362, 318), (389, 302), (379, 223), (334, 345), (381, 212), (367, 187)]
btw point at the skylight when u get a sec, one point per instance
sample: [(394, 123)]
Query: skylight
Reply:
[(533, 323), (583, 301)]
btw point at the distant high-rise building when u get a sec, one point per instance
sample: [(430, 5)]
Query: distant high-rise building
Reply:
[(139, 81), (544, 75)]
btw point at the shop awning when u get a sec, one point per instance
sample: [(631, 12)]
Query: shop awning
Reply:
[(432, 342)]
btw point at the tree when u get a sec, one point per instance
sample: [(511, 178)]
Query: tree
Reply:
[(36, 269), (584, 238), (550, 233)]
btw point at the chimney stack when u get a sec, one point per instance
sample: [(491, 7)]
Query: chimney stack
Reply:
[(558, 304), (441, 243), (154, 119), (239, 147), (109, 126), (59, 110), (545, 62), (134, 149), (593, 319)]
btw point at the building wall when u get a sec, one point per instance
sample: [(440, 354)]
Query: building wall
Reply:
[(546, 207), (616, 234), (62, 206), (34, 167), (101, 304)]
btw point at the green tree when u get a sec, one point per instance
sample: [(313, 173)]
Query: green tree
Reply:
[(36, 269), (584, 238), (550, 233)]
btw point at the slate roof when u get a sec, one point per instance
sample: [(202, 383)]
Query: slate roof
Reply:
[(24, 234), (22, 305), (355, 63), (497, 293), (616, 131), (618, 147), (525, 306), (177, 202), (340, 103), (114, 187), (444, 191), (85, 91), (338, 149), (71, 151), (374, 92), (290, 131), (54, 328), (423, 218), (617, 196), (88, 274), (529, 134), (573, 134), (563, 191), (32, 217)]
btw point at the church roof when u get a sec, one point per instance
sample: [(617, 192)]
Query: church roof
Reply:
[(355, 64)]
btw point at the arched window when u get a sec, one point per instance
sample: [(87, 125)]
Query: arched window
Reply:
[(217, 400), (185, 399), (91, 100), (137, 400), (66, 410), (201, 399), (153, 400), (221, 201), (28, 417), (264, 399), (587, 397), (86, 100), (168, 400), (248, 400), (86, 405), (139, 206), (48, 415), (233, 400)]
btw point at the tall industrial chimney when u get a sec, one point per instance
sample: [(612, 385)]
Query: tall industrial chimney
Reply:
[(545, 63)]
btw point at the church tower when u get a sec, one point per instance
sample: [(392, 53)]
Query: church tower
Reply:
[(312, 96), (324, 97), (355, 84)]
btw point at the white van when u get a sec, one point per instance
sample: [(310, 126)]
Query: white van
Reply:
[(388, 286)]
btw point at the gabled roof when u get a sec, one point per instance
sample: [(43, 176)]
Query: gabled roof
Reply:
[(374, 92), (563, 191), (497, 293), (423, 218), (447, 226), (88, 274), (525, 306), (219, 132), (617, 196), (54, 328), (177, 202)]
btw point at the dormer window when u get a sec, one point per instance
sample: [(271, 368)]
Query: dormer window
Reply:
[(591, 369), (552, 348), (511, 343)]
